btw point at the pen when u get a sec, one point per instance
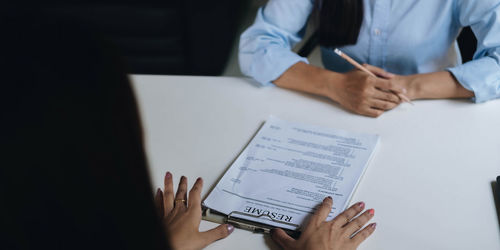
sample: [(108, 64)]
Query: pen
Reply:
[(360, 67)]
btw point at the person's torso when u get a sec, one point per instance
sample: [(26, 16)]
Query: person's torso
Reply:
[(403, 37)]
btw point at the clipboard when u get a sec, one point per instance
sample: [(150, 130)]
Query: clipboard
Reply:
[(225, 204), (256, 227)]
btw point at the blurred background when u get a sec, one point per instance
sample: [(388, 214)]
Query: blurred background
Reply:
[(184, 37), (174, 37)]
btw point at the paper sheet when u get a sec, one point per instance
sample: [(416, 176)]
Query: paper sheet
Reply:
[(288, 169)]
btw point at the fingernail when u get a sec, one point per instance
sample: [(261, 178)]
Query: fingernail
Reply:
[(199, 179), (158, 191), (329, 198), (373, 225), (404, 91), (230, 228), (361, 204), (183, 177), (168, 175), (371, 211)]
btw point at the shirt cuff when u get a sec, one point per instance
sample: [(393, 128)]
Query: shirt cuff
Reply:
[(481, 76)]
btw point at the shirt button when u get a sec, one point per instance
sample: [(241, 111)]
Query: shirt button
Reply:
[(376, 32)]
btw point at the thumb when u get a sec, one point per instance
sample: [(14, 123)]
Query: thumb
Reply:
[(217, 233), (281, 238), (378, 71)]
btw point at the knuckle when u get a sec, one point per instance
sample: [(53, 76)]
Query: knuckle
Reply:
[(371, 113), (357, 106), (369, 80), (382, 84), (222, 232), (345, 218), (393, 98), (195, 189), (362, 235), (195, 208), (339, 221), (352, 211), (359, 223), (324, 206), (192, 193), (390, 85), (365, 91)]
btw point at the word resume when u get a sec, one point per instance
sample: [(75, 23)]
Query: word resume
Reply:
[(286, 171)]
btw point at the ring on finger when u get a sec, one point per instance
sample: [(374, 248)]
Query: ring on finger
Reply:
[(180, 200)]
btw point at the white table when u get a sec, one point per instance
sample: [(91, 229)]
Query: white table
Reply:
[(429, 182)]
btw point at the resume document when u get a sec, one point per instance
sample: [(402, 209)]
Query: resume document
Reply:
[(287, 169)]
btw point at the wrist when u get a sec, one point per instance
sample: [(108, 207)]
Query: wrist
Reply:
[(413, 86), (333, 84)]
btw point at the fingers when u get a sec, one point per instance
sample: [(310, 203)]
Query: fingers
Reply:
[(344, 217), (371, 112), (378, 71), (364, 234), (382, 105), (181, 195), (322, 212), (217, 233), (159, 203), (168, 194), (386, 96), (194, 201), (359, 222), (281, 238), (388, 85), (374, 107)]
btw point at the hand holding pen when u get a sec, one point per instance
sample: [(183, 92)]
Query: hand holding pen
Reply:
[(360, 67)]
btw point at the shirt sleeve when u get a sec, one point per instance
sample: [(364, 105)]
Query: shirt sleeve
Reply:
[(265, 49), (482, 74)]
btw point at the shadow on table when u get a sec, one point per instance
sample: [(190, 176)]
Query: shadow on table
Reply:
[(496, 197)]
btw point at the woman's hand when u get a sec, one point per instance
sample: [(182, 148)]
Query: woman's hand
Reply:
[(356, 91), (361, 93), (182, 215), (343, 232)]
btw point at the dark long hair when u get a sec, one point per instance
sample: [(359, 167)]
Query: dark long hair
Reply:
[(74, 172), (338, 21)]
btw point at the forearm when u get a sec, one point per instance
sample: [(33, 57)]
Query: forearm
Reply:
[(307, 78), (437, 85)]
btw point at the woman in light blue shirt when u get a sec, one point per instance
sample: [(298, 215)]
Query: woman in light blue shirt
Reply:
[(414, 40)]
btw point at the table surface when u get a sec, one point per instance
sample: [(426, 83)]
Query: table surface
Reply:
[(430, 180)]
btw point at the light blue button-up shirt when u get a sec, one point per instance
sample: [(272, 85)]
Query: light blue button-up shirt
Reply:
[(400, 36)]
